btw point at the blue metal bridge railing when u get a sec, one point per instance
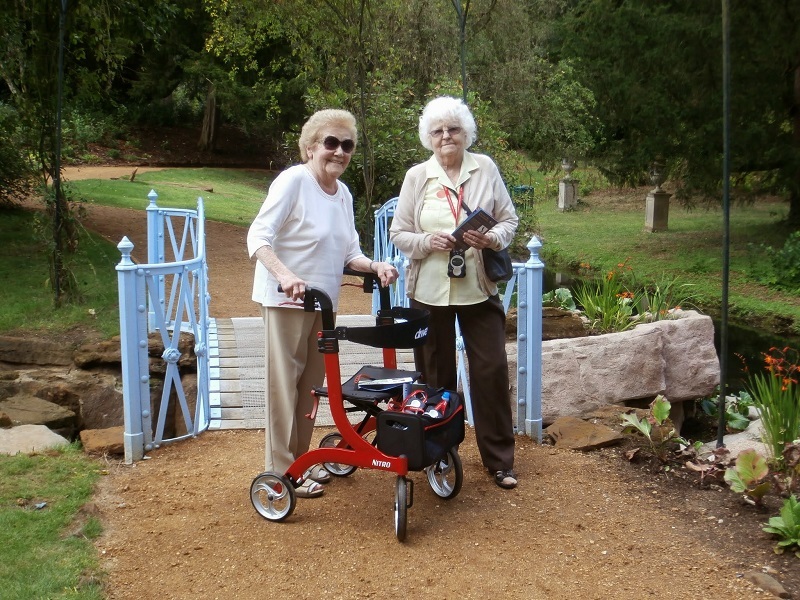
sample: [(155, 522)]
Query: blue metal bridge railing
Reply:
[(166, 297)]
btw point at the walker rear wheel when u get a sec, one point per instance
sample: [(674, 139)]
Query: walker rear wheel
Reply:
[(400, 507), (332, 440), (272, 496), (445, 476)]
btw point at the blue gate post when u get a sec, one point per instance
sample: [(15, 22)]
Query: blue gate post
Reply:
[(156, 245), (529, 344), (385, 251), (133, 343), (202, 346)]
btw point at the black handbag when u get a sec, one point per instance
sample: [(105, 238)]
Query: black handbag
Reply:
[(496, 263)]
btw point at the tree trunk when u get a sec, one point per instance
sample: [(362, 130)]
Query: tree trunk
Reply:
[(208, 135)]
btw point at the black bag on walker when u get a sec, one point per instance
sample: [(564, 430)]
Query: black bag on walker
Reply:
[(423, 440)]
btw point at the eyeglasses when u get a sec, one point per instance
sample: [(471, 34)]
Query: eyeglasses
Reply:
[(332, 143), (452, 131)]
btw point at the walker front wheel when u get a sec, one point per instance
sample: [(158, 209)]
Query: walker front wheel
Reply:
[(332, 440), (401, 507), (272, 496), (445, 476)]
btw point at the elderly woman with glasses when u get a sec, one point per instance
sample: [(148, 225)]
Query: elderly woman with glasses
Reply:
[(450, 283), (304, 235)]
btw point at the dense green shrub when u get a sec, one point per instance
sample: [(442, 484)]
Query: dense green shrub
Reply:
[(785, 262), (16, 175)]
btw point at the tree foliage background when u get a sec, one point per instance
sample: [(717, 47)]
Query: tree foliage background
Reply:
[(616, 84)]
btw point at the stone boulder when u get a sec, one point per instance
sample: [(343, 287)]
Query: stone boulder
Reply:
[(29, 439), (104, 442), (676, 358), (94, 396), (561, 324), (30, 410), (577, 434), (736, 443), (556, 324), (72, 388), (24, 351)]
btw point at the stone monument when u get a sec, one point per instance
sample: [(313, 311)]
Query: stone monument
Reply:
[(567, 187), (656, 213)]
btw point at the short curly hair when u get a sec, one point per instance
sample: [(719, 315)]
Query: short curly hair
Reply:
[(329, 117), (446, 109)]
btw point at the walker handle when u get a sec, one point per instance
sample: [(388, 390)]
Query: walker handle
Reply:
[(314, 297)]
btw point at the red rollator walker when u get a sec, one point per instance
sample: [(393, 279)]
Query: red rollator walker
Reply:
[(418, 430)]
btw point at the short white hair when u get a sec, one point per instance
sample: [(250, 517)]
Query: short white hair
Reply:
[(448, 110)]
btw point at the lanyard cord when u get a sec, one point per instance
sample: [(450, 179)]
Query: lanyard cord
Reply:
[(456, 210)]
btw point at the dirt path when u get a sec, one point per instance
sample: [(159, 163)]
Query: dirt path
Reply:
[(180, 525), (579, 526)]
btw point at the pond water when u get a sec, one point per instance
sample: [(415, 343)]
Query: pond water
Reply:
[(746, 344)]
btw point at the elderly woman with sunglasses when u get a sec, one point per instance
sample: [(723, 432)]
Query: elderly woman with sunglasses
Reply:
[(435, 198), (304, 235)]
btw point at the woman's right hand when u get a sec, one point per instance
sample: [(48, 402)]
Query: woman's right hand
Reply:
[(442, 242), (293, 287)]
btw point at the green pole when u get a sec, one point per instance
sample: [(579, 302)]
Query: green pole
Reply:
[(57, 216), (726, 153)]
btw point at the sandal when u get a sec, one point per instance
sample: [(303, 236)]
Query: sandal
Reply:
[(506, 479), (319, 474), (309, 489)]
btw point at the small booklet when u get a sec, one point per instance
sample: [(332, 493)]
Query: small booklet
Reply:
[(478, 220), (379, 385)]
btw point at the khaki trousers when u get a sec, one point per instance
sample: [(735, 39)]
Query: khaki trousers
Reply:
[(293, 366)]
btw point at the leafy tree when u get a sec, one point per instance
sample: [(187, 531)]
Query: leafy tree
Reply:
[(342, 51), (99, 38), (654, 67), (542, 105)]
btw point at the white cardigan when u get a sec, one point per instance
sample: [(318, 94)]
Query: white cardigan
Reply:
[(311, 232), (485, 189)]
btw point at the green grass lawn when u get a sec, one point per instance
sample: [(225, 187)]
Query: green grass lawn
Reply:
[(229, 195), (607, 229), (27, 300), (46, 548)]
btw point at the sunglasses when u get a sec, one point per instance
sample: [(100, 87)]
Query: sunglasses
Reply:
[(453, 131), (332, 143)]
